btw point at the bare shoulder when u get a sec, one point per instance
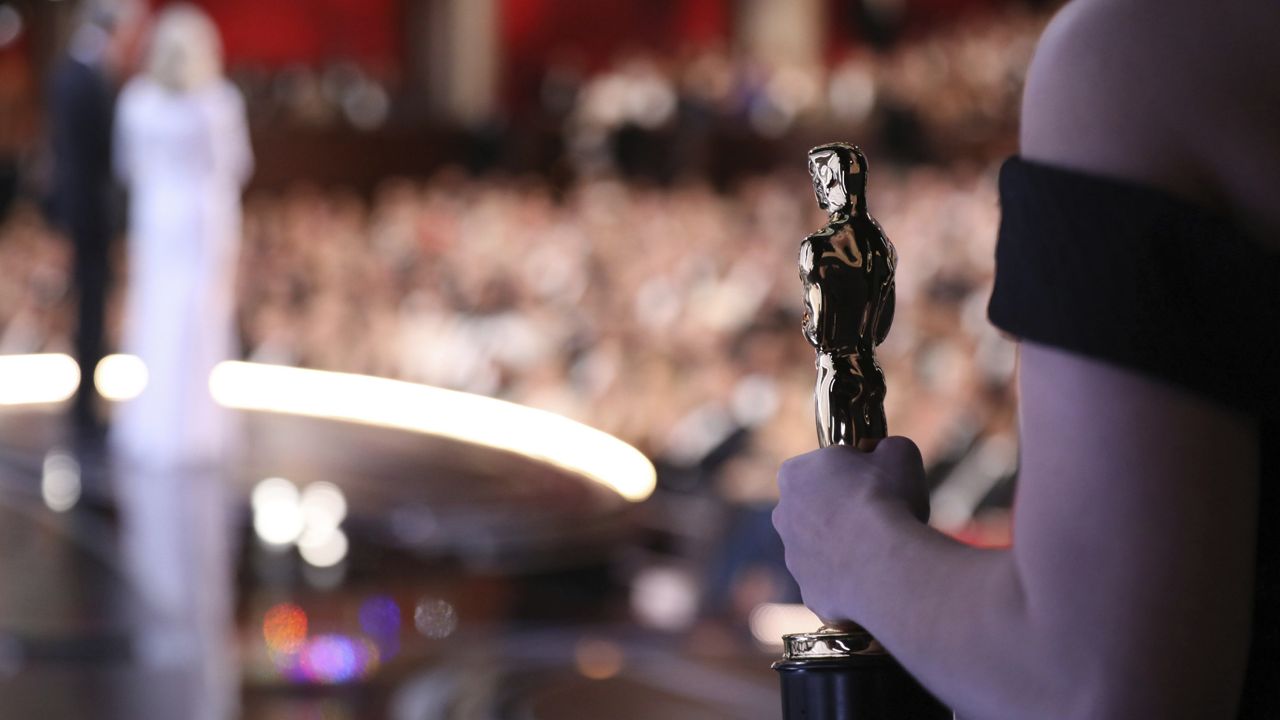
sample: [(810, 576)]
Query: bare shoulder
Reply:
[(1174, 93)]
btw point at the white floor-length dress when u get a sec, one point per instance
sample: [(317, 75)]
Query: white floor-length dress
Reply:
[(184, 157)]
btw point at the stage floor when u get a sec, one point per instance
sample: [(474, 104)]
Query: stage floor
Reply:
[(477, 584)]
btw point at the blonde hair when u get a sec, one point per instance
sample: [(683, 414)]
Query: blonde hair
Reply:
[(185, 52)]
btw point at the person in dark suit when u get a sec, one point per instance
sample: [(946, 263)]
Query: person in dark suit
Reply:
[(81, 105)]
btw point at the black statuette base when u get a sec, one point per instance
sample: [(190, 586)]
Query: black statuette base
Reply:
[(854, 688)]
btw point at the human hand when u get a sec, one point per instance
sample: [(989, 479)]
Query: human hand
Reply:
[(827, 497)]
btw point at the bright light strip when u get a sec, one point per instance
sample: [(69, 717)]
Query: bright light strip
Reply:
[(36, 379), (382, 402), (770, 621), (456, 415), (120, 377)]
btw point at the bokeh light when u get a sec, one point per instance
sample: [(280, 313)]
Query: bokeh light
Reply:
[(285, 628), (120, 377), (277, 511), (323, 506), (60, 481), (665, 598), (380, 616), (598, 659), (335, 658), (435, 618), (380, 619), (323, 547), (37, 379), (329, 659)]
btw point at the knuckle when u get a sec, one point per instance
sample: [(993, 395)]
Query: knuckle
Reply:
[(789, 467), (902, 447)]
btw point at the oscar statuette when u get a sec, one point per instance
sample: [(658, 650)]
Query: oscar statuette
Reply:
[(847, 267)]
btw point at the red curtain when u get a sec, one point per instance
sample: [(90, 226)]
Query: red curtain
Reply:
[(282, 32), (593, 32)]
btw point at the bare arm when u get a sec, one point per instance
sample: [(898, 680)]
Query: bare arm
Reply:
[(1127, 591), (1128, 588)]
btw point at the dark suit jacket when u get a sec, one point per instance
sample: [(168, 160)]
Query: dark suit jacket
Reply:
[(81, 109)]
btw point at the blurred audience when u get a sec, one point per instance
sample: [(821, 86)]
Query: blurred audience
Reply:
[(646, 114), (957, 89), (666, 317), (637, 283)]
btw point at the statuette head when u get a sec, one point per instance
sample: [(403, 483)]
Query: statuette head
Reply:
[(839, 172)]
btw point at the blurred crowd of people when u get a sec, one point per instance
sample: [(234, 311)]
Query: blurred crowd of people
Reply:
[(958, 88), (35, 286), (341, 92), (669, 317), (953, 90), (666, 314)]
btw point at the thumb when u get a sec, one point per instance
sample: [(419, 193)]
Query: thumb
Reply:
[(902, 457), (897, 447)]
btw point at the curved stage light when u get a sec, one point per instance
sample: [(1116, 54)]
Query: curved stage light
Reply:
[(363, 399), (456, 415), (37, 379)]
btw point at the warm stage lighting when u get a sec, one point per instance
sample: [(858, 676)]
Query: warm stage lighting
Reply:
[(120, 377), (284, 627), (36, 379), (324, 547), (460, 416), (277, 512), (382, 402), (323, 506)]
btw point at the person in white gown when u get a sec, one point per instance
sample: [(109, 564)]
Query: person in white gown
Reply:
[(182, 149)]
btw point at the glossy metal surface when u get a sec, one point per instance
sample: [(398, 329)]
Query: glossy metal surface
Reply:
[(830, 642), (847, 269)]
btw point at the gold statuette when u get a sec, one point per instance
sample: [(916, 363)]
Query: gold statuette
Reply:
[(842, 672), (847, 269)]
